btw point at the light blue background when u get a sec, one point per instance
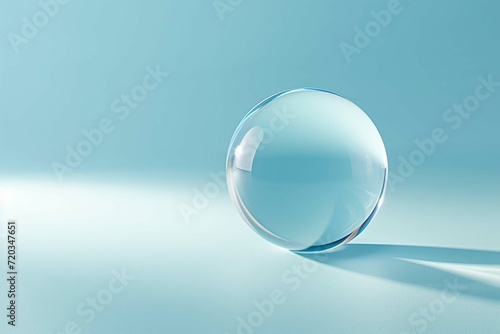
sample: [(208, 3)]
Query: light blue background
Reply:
[(64, 81)]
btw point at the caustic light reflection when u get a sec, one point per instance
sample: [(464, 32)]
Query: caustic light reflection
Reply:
[(307, 169)]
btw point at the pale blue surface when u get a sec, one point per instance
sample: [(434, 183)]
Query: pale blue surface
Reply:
[(202, 276), (442, 215)]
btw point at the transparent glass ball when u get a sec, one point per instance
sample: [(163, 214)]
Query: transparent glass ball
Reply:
[(307, 169)]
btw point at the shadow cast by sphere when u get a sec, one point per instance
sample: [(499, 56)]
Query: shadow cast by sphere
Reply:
[(431, 267)]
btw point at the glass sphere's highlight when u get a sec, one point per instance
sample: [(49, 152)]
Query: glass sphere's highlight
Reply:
[(307, 169)]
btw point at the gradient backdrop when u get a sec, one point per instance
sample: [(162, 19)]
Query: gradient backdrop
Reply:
[(138, 235)]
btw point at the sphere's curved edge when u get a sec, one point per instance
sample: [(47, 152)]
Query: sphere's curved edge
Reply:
[(268, 100), (248, 217), (330, 246)]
